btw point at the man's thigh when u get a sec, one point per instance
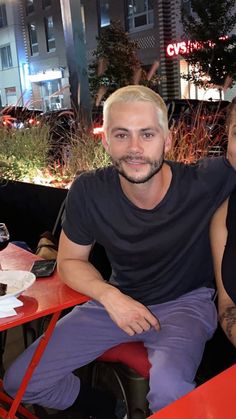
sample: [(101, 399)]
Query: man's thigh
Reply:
[(176, 351), (79, 337)]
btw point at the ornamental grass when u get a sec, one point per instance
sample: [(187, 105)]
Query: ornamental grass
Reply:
[(53, 153)]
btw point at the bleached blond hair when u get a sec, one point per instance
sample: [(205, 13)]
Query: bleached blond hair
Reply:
[(137, 93)]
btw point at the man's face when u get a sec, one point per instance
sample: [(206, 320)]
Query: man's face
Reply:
[(135, 141)]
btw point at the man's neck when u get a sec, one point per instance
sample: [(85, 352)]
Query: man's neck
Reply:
[(149, 194)]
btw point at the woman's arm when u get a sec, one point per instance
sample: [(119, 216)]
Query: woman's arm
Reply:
[(226, 307)]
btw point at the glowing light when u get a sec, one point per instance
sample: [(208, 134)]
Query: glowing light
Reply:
[(47, 75), (185, 47), (97, 130)]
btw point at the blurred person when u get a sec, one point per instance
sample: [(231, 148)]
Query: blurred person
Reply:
[(152, 217), (223, 242)]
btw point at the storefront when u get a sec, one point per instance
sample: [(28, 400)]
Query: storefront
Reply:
[(50, 90), (177, 51)]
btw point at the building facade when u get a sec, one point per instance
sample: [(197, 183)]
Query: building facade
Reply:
[(156, 26), (14, 83), (48, 70), (35, 63)]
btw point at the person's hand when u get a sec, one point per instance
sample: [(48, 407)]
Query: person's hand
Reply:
[(128, 314)]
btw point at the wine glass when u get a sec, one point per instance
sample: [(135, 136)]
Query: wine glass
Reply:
[(4, 236)]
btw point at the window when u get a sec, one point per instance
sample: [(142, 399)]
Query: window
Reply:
[(104, 13), (52, 97), (50, 38), (46, 3), (34, 46), (3, 16), (140, 14), (29, 6), (11, 98), (6, 58)]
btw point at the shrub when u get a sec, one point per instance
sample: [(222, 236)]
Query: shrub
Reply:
[(37, 155), (23, 152)]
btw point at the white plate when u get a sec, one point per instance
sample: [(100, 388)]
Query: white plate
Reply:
[(17, 282)]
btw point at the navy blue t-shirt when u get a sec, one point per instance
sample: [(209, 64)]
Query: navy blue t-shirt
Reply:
[(159, 254)]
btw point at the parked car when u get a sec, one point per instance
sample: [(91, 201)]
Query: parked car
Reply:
[(19, 117)]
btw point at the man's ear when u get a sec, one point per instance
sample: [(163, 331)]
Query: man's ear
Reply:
[(168, 142), (104, 141)]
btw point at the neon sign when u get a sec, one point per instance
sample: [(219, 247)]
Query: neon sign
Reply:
[(185, 47)]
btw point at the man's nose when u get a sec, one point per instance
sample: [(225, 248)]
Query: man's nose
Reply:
[(136, 143)]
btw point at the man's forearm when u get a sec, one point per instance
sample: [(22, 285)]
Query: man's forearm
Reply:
[(83, 277), (227, 318)]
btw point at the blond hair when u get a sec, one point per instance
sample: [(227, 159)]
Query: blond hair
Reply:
[(137, 93)]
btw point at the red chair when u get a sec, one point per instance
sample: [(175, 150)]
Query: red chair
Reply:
[(128, 364)]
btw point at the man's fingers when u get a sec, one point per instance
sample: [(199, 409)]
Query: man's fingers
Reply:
[(157, 327), (129, 330), (140, 327), (153, 321)]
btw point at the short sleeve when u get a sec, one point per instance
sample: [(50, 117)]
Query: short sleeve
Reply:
[(75, 221), (218, 176)]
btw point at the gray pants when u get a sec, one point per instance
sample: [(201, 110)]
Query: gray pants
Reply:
[(87, 331)]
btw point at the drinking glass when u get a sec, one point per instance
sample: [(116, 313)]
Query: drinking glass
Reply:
[(4, 236)]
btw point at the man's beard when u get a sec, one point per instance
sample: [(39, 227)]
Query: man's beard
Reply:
[(155, 167)]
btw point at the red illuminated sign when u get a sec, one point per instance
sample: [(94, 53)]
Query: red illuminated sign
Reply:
[(185, 47), (181, 48)]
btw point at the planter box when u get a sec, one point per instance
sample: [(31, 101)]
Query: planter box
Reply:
[(28, 209)]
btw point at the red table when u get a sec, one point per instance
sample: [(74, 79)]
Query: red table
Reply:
[(45, 296), (214, 399)]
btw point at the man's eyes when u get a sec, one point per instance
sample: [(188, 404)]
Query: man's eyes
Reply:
[(144, 135), (121, 136), (148, 135)]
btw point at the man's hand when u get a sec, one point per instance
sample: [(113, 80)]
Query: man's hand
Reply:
[(128, 314)]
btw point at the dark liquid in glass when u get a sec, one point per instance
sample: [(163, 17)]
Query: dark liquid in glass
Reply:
[(3, 244)]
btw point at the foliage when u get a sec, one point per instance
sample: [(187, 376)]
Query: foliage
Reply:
[(210, 24), (115, 60), (197, 135), (23, 152), (84, 152), (29, 154)]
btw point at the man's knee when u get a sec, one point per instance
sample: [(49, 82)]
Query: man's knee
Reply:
[(166, 388), (11, 382)]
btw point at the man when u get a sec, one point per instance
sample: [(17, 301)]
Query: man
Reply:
[(152, 217)]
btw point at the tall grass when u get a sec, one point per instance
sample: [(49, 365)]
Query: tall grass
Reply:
[(197, 135), (23, 152), (84, 152), (53, 153)]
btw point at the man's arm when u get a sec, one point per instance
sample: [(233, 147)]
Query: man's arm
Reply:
[(226, 307), (78, 273)]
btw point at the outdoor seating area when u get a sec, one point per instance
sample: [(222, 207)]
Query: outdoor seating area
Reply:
[(125, 368), (36, 304), (117, 209)]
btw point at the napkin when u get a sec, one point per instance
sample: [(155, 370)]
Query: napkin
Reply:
[(7, 306)]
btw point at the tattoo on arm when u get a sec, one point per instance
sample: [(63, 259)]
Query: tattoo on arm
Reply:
[(229, 317)]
